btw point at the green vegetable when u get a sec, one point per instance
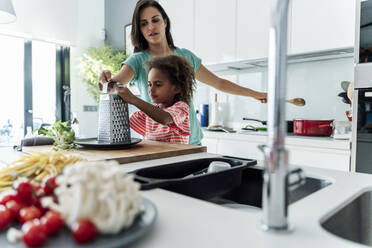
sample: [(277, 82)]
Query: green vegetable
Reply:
[(62, 134), (256, 128)]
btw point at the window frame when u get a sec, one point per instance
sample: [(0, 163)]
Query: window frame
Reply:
[(63, 94)]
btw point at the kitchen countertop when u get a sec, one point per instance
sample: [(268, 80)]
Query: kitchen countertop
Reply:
[(187, 222), (291, 139)]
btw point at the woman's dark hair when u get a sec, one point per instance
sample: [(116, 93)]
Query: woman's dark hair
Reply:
[(139, 42), (179, 72)]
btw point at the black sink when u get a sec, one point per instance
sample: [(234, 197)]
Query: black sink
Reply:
[(249, 191), (242, 187)]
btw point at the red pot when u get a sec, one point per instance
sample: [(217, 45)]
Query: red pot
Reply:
[(312, 127)]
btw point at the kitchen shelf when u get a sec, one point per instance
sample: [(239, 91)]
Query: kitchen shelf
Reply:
[(246, 65)]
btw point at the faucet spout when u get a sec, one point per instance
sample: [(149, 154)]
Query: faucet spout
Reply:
[(275, 185)]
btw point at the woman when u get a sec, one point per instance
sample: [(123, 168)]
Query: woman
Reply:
[(151, 37)]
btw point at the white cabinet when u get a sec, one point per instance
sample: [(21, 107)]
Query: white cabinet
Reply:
[(319, 157), (211, 145), (238, 148), (181, 14), (253, 24), (224, 31), (215, 30), (322, 24), (302, 151)]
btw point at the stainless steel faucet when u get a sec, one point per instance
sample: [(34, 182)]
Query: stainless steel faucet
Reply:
[(275, 186)]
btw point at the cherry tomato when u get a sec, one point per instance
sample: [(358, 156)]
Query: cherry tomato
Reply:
[(24, 192), (29, 213), (6, 198), (49, 185), (14, 206), (33, 233), (52, 222), (83, 231), (6, 217)]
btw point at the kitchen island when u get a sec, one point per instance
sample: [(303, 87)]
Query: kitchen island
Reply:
[(188, 222)]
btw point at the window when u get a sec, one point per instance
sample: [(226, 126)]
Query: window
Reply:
[(43, 83), (35, 86), (11, 93)]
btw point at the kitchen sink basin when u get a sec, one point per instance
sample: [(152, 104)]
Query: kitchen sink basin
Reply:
[(244, 192), (353, 221), (249, 192)]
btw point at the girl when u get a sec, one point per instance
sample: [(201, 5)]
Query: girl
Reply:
[(151, 37), (171, 83)]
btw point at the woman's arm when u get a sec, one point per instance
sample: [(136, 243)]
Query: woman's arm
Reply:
[(157, 114), (207, 77), (123, 76)]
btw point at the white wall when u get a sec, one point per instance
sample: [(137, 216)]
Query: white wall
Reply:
[(90, 23), (318, 83)]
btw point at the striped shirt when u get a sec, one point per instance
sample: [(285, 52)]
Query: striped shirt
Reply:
[(176, 132)]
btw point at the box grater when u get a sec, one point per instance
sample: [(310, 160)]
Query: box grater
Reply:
[(113, 120)]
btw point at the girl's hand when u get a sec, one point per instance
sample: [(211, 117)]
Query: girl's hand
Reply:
[(104, 77), (125, 94), (261, 96)]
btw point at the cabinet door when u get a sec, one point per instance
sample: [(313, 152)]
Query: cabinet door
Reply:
[(211, 144), (237, 148), (319, 157), (181, 15), (321, 25), (253, 24), (215, 30)]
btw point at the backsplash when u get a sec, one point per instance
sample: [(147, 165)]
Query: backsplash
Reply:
[(318, 82)]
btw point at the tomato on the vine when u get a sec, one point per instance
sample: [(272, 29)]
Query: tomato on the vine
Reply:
[(24, 192), (33, 233), (6, 216), (14, 206), (9, 197), (29, 213), (49, 185), (52, 222), (83, 231)]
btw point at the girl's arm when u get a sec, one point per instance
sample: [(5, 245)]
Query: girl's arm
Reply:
[(157, 114), (207, 77)]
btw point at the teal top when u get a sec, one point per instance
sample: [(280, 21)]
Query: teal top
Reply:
[(136, 62)]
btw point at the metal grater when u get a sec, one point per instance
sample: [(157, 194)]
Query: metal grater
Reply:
[(113, 120)]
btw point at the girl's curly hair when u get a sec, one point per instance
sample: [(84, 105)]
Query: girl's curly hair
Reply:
[(179, 72)]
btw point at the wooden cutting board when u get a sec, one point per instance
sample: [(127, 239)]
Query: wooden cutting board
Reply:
[(145, 150)]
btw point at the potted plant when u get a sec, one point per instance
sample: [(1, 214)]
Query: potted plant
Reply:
[(97, 59)]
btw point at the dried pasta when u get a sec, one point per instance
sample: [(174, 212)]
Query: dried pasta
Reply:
[(36, 166)]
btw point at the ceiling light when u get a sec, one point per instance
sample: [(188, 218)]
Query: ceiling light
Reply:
[(7, 14)]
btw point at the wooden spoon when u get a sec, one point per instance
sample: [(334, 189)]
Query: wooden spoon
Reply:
[(297, 101)]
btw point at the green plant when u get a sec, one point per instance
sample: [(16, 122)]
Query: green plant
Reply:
[(97, 59), (62, 134)]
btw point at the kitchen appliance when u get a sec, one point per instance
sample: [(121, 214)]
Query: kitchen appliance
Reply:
[(361, 158), (312, 127)]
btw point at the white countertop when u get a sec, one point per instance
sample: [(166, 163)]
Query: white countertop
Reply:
[(188, 222), (291, 139)]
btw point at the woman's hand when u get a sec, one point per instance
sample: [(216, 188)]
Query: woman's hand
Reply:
[(125, 94), (104, 77), (261, 96)]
